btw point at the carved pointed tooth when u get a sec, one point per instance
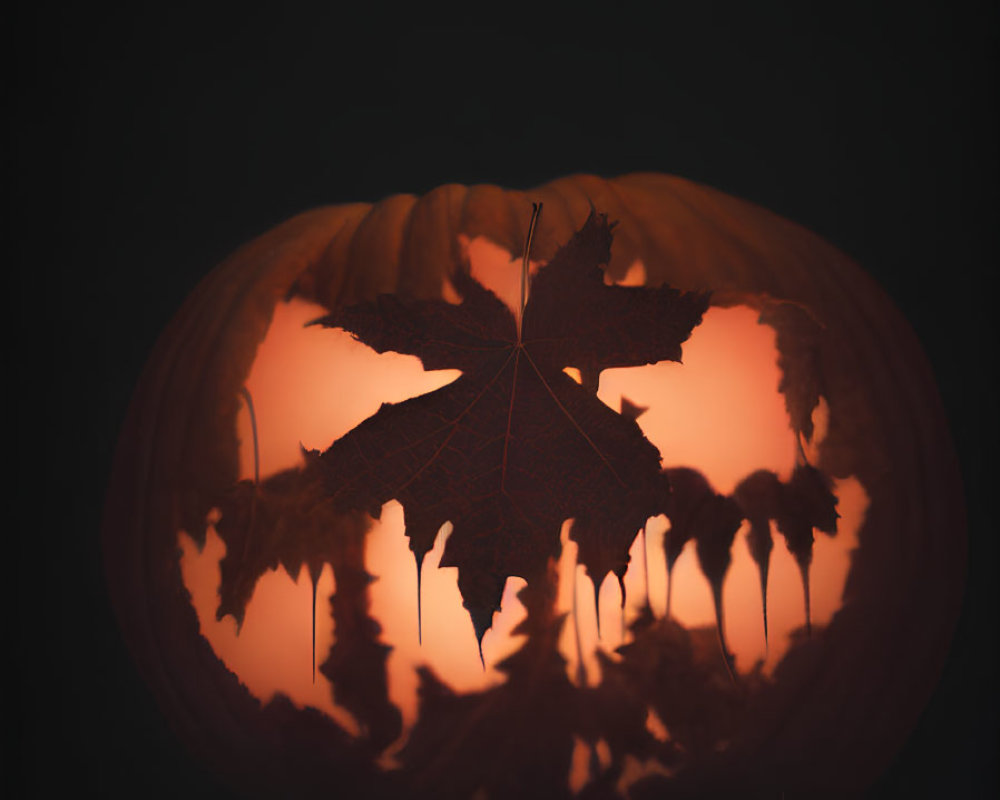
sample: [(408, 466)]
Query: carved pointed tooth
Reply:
[(804, 571), (315, 571), (481, 621), (721, 631), (597, 606), (314, 631), (763, 569), (645, 564), (581, 669), (420, 623), (670, 586)]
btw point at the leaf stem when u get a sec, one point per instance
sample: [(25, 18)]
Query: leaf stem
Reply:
[(253, 428), (536, 210), (256, 480)]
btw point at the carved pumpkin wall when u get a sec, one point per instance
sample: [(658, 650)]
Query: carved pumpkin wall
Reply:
[(809, 396)]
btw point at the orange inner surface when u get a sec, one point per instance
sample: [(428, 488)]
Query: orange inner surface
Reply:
[(719, 412)]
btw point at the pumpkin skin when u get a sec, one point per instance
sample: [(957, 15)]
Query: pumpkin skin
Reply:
[(841, 704)]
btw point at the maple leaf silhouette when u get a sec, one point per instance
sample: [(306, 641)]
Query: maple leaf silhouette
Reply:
[(514, 446)]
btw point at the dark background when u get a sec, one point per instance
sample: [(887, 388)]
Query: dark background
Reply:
[(147, 145)]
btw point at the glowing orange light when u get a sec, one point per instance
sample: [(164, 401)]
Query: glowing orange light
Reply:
[(719, 412)]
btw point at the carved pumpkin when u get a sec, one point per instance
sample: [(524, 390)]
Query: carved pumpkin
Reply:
[(831, 710)]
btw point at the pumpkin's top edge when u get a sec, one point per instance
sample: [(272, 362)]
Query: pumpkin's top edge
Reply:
[(594, 190)]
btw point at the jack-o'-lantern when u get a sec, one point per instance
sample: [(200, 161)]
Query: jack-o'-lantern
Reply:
[(535, 479)]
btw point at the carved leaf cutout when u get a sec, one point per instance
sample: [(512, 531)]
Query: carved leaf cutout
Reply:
[(514, 446), (288, 520)]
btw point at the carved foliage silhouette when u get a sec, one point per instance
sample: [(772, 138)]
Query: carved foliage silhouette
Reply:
[(514, 446), (506, 453)]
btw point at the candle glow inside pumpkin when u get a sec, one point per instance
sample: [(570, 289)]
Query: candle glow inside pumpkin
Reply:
[(719, 412)]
